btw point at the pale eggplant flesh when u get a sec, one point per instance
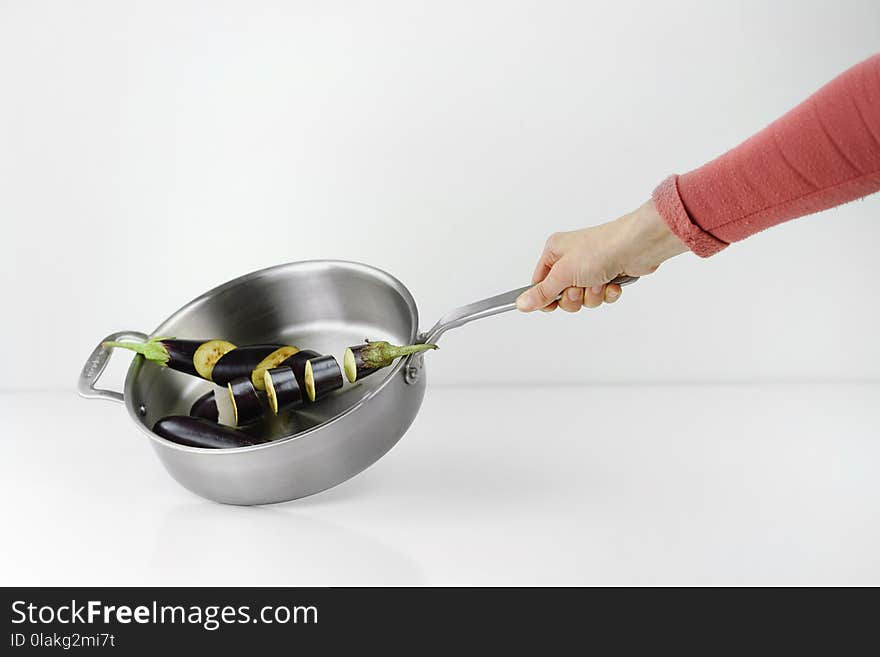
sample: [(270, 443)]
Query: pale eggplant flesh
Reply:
[(200, 432), (364, 359), (209, 354), (322, 376), (195, 357), (282, 389)]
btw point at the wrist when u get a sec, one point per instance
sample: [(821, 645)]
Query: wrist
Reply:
[(651, 237)]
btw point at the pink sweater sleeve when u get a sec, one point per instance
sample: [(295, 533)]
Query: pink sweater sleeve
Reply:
[(824, 152)]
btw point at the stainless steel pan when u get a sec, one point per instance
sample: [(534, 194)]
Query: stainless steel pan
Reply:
[(323, 305)]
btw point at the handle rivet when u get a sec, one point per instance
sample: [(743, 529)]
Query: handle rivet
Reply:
[(142, 410)]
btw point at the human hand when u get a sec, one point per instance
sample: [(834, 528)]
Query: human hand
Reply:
[(578, 264)]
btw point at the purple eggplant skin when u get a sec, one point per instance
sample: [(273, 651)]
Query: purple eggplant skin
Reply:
[(297, 363), (355, 364), (199, 432), (282, 389), (176, 354), (246, 402), (322, 377), (180, 354), (206, 407), (364, 359), (240, 362)]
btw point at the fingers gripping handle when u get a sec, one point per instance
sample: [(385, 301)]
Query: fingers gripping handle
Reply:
[(96, 364), (623, 280), (500, 303)]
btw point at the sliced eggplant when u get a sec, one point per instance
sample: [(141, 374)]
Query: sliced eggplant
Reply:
[(196, 357), (247, 407), (322, 376), (282, 389), (240, 362), (364, 359), (297, 363), (206, 407), (225, 409), (199, 432), (209, 354), (272, 360)]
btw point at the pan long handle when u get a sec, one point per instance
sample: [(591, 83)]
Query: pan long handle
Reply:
[(500, 303)]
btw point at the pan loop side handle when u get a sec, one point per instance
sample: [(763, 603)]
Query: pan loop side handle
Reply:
[(500, 303), (96, 364)]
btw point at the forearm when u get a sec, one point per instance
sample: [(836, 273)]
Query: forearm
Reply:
[(824, 152)]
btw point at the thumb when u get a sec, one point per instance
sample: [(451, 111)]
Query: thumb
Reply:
[(546, 291)]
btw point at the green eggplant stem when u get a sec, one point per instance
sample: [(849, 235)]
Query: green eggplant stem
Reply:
[(382, 354), (152, 349)]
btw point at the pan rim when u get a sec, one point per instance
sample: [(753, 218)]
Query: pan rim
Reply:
[(393, 371)]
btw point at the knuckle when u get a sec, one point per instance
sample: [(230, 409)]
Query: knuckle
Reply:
[(542, 291), (554, 242), (589, 274)]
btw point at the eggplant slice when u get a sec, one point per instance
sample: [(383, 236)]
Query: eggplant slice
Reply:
[(241, 362), (364, 359), (272, 360), (247, 407), (322, 376), (297, 363), (199, 432), (282, 389), (208, 355)]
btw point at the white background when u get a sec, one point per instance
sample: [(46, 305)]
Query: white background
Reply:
[(643, 486), (723, 424), (151, 150)]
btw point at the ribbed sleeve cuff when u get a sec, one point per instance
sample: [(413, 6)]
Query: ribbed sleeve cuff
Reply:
[(669, 205)]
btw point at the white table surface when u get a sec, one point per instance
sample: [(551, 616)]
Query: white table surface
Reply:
[(747, 484)]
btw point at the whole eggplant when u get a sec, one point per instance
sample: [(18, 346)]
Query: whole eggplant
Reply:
[(199, 432), (206, 407)]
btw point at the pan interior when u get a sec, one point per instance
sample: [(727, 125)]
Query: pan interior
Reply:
[(325, 306)]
